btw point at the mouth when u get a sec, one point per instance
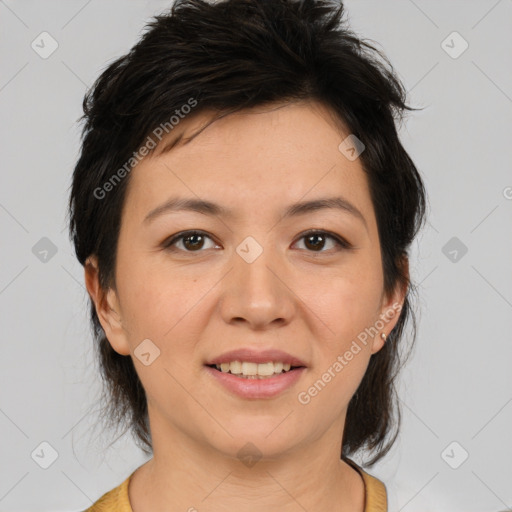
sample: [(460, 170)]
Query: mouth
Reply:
[(256, 374), (255, 371)]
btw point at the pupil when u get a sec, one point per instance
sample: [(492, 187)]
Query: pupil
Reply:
[(195, 244), (313, 237)]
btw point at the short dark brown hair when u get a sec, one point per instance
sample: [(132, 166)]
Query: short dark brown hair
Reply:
[(229, 56)]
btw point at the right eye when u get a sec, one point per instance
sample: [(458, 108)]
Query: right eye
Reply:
[(191, 241)]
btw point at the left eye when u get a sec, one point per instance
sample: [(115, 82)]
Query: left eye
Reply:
[(315, 239), (193, 241)]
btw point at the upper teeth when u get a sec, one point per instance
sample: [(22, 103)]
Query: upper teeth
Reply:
[(247, 368)]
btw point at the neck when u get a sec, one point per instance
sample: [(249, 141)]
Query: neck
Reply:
[(192, 476)]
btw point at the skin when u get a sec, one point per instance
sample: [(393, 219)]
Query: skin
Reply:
[(199, 304)]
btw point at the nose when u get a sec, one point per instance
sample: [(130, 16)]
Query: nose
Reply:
[(257, 293)]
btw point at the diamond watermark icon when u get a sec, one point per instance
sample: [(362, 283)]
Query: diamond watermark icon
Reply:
[(249, 454), (351, 147), (249, 249), (44, 250), (146, 352), (44, 45), (454, 249), (44, 455), (454, 45), (454, 455)]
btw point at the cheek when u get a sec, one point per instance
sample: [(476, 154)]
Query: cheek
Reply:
[(162, 304), (143, 300), (348, 302)]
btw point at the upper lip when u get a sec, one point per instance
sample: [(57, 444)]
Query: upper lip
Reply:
[(256, 356)]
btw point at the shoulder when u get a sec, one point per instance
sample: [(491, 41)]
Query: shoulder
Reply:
[(375, 491), (115, 500)]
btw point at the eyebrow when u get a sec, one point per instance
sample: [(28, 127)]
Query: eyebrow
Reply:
[(176, 204)]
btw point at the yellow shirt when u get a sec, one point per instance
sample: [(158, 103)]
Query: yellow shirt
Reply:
[(117, 499)]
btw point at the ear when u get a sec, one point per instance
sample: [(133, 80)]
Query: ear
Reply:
[(107, 308), (391, 308)]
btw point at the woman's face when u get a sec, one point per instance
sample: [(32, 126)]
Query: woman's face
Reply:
[(252, 280)]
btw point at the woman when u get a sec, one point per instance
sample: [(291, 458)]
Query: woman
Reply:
[(243, 209)]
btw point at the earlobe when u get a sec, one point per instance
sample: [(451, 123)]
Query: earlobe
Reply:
[(388, 318), (107, 308)]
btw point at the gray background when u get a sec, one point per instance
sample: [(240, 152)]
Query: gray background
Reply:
[(456, 388)]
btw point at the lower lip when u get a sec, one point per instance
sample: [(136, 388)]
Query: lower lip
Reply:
[(257, 388)]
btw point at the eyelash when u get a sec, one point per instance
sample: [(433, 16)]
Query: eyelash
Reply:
[(169, 242)]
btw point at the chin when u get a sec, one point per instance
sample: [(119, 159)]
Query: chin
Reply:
[(259, 438)]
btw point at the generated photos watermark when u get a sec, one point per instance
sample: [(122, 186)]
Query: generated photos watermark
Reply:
[(158, 133), (305, 397)]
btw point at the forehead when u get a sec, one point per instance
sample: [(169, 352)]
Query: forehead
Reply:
[(269, 155)]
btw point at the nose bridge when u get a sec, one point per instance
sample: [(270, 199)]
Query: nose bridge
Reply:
[(253, 290)]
